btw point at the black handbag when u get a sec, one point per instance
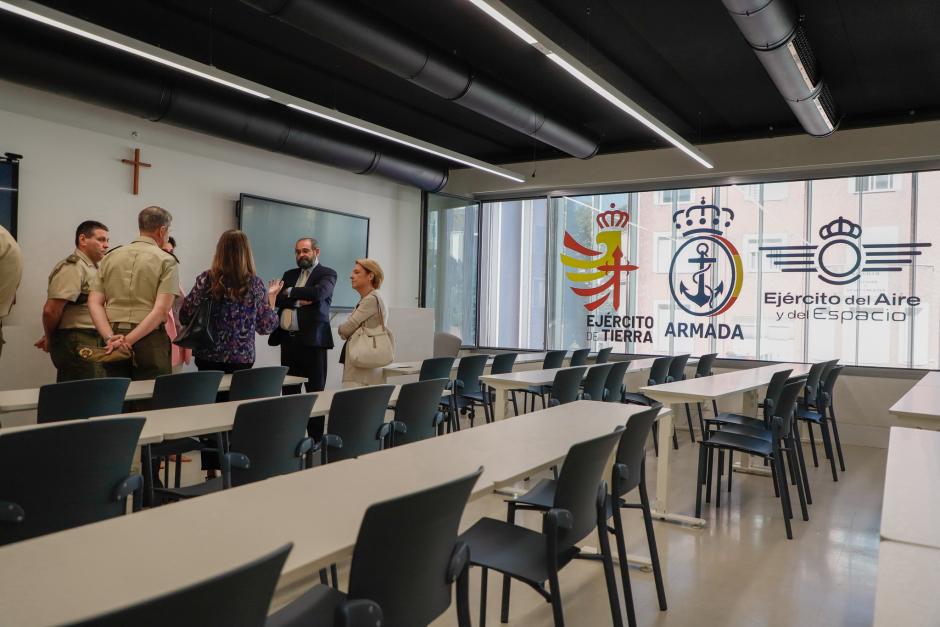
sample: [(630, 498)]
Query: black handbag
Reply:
[(198, 333)]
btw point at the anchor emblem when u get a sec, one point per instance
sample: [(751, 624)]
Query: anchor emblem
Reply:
[(705, 294)]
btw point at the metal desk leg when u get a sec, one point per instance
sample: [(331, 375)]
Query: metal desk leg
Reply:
[(750, 408), (660, 509), (499, 406)]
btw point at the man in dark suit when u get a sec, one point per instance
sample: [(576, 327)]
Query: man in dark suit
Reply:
[(303, 306)]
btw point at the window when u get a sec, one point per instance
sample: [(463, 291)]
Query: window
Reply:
[(754, 257), (877, 183), (662, 252), (668, 196)]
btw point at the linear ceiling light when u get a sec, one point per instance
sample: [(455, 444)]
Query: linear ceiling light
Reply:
[(87, 30), (532, 36)]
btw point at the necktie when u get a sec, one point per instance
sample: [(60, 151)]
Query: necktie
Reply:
[(287, 316)]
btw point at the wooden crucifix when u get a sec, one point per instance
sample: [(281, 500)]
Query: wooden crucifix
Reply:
[(138, 164)]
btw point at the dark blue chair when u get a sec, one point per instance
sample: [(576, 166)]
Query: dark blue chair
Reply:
[(603, 355), (595, 382), (356, 423), (417, 412), (85, 398), (257, 383), (579, 357)]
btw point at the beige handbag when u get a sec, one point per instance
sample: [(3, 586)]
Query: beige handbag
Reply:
[(371, 348)]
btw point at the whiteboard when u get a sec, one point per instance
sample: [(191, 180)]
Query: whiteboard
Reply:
[(274, 226)]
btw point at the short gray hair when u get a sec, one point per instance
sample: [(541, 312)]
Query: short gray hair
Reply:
[(314, 244), (152, 218)]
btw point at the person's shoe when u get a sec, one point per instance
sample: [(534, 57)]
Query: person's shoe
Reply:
[(183, 459)]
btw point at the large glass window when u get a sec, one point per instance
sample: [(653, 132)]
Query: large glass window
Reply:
[(451, 264)]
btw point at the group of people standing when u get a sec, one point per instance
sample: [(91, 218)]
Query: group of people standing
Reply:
[(121, 300)]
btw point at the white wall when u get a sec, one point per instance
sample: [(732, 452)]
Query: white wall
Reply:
[(72, 171)]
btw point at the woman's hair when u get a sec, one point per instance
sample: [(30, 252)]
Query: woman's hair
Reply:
[(371, 265), (232, 267)]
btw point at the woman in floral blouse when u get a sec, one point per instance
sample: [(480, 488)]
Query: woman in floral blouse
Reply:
[(242, 306)]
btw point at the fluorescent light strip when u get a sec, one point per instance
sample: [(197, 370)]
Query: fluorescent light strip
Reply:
[(274, 95), (113, 44), (405, 142), (505, 21), (623, 106)]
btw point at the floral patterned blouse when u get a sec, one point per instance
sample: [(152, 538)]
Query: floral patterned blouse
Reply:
[(234, 322)]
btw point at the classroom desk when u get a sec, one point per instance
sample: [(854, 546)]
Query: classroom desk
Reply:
[(911, 508), (920, 407), (906, 588), (45, 581), (678, 393), (28, 398), (404, 368)]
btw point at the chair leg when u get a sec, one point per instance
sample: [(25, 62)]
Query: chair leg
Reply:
[(781, 475), (483, 578), (463, 599), (721, 471), (798, 443), (730, 467), (701, 422), (334, 578), (515, 406), (702, 453), (651, 541), (812, 444), (178, 469), (608, 560), (624, 567), (791, 461), (323, 579), (675, 439), (656, 438), (688, 416), (555, 592), (835, 434), (827, 446), (773, 478), (715, 406), (708, 476), (507, 581)]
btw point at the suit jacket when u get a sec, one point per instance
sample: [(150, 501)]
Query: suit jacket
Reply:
[(313, 319)]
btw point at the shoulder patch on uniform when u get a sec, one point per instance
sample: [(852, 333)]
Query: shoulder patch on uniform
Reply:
[(71, 259)]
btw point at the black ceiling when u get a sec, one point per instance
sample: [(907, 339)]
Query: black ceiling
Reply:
[(684, 60)]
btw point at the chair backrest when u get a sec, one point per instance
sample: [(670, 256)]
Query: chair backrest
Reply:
[(603, 355), (436, 368), (446, 345), (595, 382), (257, 383), (677, 368), (631, 452), (774, 388), (567, 384), (469, 371), (553, 359), (237, 598), (812, 381), (270, 432), (579, 357), (65, 475), (186, 388), (417, 405), (503, 363), (404, 551), (786, 404), (614, 384), (660, 370), (578, 483), (85, 398), (705, 364), (356, 416), (828, 386)]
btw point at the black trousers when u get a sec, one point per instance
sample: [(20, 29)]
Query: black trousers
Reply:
[(304, 361)]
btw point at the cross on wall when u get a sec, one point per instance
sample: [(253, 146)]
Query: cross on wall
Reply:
[(138, 164)]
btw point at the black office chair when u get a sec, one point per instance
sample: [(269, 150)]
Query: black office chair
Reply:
[(813, 380), (183, 390), (566, 386), (814, 411), (613, 387), (659, 374), (467, 391), (85, 398), (603, 355), (579, 507), (237, 598), (410, 578), (68, 474), (579, 357), (417, 412), (553, 359), (257, 383), (704, 369), (779, 450), (436, 368), (595, 382), (356, 423), (629, 473), (268, 438), (502, 364)]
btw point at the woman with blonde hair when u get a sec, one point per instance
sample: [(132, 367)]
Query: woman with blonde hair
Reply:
[(370, 314), (241, 305)]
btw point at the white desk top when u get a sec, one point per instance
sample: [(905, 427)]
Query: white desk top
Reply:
[(414, 367), (922, 401), (319, 510), (28, 398), (719, 385), (525, 378), (911, 508), (906, 592)]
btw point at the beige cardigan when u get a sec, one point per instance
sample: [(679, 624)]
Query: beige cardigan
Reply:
[(365, 314)]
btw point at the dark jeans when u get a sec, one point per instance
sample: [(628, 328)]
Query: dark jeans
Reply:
[(210, 461), (304, 361)]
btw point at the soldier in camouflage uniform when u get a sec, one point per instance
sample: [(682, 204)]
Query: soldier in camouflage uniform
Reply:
[(129, 300), (65, 317)]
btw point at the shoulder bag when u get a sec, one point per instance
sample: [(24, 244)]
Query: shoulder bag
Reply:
[(199, 332), (371, 348)]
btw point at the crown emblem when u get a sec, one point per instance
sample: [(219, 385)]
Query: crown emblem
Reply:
[(613, 219), (840, 226), (702, 218)]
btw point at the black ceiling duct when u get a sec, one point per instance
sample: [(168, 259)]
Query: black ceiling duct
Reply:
[(68, 66), (396, 50), (773, 29)]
